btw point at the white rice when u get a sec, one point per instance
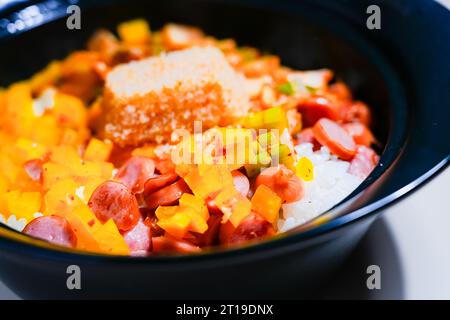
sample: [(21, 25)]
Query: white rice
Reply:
[(13, 222), (331, 184)]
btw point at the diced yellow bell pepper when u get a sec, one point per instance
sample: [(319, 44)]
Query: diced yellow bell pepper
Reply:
[(305, 169), (9, 168), (98, 150), (196, 203), (81, 220), (4, 184), (65, 155), (273, 118), (23, 204), (29, 149), (90, 169), (266, 203), (165, 212), (286, 157), (19, 110), (61, 197), (52, 173), (135, 31), (46, 130), (70, 111), (72, 137), (109, 238)]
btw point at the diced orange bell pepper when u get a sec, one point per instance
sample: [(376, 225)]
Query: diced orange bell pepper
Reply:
[(204, 180), (267, 203), (98, 150), (196, 203)]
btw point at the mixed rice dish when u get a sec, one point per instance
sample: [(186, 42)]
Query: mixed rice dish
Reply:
[(173, 142)]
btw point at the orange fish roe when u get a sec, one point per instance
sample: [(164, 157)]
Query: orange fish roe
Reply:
[(146, 101)]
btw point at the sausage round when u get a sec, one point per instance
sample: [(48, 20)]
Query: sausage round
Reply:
[(54, 229), (135, 172), (113, 200), (252, 227), (166, 196), (333, 136)]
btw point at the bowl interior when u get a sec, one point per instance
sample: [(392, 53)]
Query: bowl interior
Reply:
[(306, 40)]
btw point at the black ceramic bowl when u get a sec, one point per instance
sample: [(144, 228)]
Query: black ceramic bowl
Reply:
[(402, 70)]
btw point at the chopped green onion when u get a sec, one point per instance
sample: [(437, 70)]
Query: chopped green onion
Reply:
[(287, 88)]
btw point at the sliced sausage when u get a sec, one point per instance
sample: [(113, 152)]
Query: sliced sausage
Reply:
[(317, 107), (135, 172), (332, 135), (164, 165), (157, 182), (283, 182), (364, 162), (54, 229), (167, 244), (113, 200), (357, 112), (251, 228), (139, 238), (360, 133), (152, 222), (166, 196)]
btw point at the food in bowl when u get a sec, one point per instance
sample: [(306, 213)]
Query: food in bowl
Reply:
[(171, 141)]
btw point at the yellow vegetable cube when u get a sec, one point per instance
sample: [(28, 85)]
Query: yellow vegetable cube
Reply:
[(109, 238), (98, 150), (134, 31)]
